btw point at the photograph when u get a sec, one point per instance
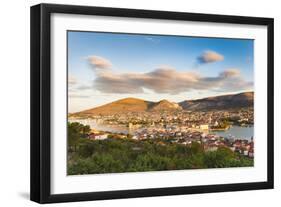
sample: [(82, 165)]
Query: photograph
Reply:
[(152, 102), (132, 103)]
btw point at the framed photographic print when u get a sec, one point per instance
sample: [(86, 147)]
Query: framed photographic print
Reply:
[(133, 103)]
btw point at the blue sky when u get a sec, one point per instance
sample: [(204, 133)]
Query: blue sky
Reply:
[(102, 65)]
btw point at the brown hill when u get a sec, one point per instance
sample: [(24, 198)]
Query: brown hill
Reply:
[(220, 102), (130, 105), (165, 105), (120, 106), (138, 105)]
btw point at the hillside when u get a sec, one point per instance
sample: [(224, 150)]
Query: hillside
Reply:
[(165, 105), (220, 102), (120, 106), (138, 105)]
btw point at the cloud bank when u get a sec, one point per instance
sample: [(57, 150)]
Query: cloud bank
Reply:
[(209, 57), (165, 79)]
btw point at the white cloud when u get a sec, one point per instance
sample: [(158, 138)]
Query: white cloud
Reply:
[(167, 80), (99, 62), (232, 72), (209, 57), (163, 80)]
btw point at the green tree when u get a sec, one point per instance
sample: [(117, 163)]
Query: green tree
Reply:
[(196, 148), (128, 155), (76, 131)]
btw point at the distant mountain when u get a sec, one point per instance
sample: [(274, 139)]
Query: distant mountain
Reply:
[(220, 102), (139, 105), (131, 105), (165, 105), (120, 106)]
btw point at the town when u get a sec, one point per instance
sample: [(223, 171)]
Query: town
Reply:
[(180, 127)]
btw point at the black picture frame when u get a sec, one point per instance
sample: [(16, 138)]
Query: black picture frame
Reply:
[(41, 103)]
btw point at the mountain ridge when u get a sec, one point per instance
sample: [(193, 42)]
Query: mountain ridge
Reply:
[(131, 104), (239, 100)]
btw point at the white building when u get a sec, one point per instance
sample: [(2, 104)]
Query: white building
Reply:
[(204, 127)]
